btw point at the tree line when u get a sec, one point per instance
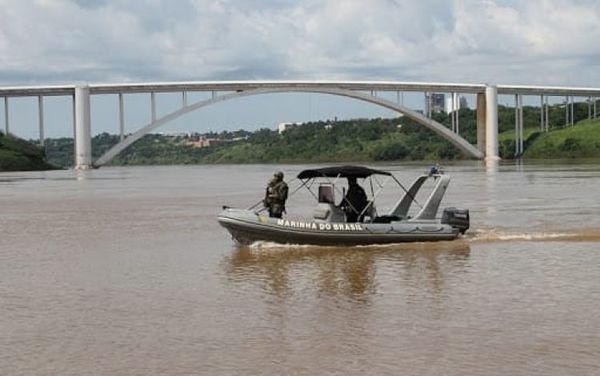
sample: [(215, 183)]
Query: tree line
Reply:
[(322, 141)]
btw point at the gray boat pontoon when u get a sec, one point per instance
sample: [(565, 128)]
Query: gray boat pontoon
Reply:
[(328, 225)]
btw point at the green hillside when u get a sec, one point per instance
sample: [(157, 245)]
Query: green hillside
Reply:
[(19, 155), (579, 141), (355, 140), (331, 141)]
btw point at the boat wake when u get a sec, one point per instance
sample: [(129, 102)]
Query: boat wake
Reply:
[(443, 244), (499, 235), (272, 245), (474, 236)]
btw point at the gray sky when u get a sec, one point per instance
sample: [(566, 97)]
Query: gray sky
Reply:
[(547, 42)]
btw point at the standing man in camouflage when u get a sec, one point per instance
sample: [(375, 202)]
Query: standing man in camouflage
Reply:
[(276, 195)]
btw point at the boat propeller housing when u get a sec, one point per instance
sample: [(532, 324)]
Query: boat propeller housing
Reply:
[(457, 218)]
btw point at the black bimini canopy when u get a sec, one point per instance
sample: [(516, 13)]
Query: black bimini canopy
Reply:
[(341, 171)]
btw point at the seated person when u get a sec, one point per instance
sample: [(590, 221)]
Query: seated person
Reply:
[(355, 201)]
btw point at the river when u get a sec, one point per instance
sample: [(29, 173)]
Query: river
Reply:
[(125, 271)]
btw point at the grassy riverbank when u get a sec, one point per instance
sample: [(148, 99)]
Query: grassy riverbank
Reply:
[(19, 155), (581, 140)]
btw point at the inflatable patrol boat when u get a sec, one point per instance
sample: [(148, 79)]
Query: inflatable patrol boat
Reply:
[(328, 225)]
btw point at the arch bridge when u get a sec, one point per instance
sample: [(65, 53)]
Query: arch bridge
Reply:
[(487, 108)]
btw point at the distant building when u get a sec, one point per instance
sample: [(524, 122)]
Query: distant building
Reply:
[(282, 127), (204, 142), (437, 102), (176, 134), (450, 105), (434, 102), (454, 103)]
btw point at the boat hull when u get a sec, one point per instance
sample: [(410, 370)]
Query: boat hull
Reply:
[(247, 227)]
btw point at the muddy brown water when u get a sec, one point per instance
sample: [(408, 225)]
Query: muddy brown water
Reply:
[(125, 271)]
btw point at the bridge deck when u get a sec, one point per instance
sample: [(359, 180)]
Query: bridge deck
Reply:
[(379, 86)]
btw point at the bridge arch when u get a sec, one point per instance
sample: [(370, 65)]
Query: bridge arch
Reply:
[(436, 127)]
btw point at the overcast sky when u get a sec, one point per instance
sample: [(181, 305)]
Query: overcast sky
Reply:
[(547, 42)]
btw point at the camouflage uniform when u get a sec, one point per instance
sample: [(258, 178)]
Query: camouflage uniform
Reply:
[(276, 195)]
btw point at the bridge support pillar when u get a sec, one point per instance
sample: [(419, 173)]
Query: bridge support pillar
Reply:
[(481, 122), (83, 129), (6, 122), (491, 123)]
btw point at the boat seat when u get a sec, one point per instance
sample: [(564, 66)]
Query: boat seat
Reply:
[(321, 213), (328, 213)]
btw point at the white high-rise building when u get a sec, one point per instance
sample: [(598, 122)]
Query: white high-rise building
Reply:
[(282, 127), (454, 102)]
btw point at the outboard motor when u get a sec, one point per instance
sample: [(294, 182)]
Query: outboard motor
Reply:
[(457, 218)]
